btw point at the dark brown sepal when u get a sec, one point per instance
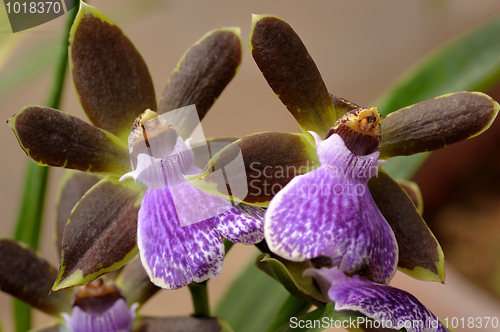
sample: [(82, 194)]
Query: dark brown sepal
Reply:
[(101, 232), (201, 76), (110, 76), (29, 277), (420, 254), (271, 160), (75, 184), (53, 138), (292, 74), (435, 123), (360, 130)]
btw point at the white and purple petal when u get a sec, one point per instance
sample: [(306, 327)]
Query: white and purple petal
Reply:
[(330, 212), (156, 173), (118, 318), (175, 256), (241, 224), (391, 306)]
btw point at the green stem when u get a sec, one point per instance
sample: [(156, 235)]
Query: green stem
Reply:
[(199, 294), (227, 245), (29, 219)]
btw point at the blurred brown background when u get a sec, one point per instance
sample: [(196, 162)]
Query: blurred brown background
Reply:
[(361, 47)]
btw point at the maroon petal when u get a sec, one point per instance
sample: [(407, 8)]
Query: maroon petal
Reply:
[(110, 76)]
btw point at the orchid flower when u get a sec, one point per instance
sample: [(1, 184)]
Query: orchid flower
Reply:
[(114, 87), (391, 307), (181, 228), (330, 211), (104, 305), (347, 231)]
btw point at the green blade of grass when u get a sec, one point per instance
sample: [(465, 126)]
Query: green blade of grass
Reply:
[(252, 302), (468, 63), (30, 214)]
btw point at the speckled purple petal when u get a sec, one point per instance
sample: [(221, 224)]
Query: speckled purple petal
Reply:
[(394, 307), (329, 211), (241, 224), (175, 256), (118, 318)]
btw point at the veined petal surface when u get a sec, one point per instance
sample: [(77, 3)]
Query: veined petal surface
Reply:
[(175, 256), (330, 212), (390, 306)]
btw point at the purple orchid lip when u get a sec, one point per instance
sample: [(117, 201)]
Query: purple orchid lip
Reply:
[(330, 212), (163, 159), (118, 317), (99, 307), (180, 227), (389, 307)]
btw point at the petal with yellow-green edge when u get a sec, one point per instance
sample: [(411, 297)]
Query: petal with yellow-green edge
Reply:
[(420, 255), (436, 123), (101, 232), (290, 274), (111, 78), (201, 75), (72, 188), (292, 74), (205, 149), (134, 283), (53, 138), (271, 160), (413, 191), (27, 276)]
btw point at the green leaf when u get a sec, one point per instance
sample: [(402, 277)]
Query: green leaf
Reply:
[(100, 235), (110, 76), (293, 307), (469, 63), (201, 75), (30, 215), (291, 73), (53, 138), (263, 298)]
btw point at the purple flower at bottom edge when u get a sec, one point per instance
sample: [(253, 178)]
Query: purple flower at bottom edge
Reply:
[(100, 307), (330, 212), (118, 318), (391, 307), (180, 228)]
